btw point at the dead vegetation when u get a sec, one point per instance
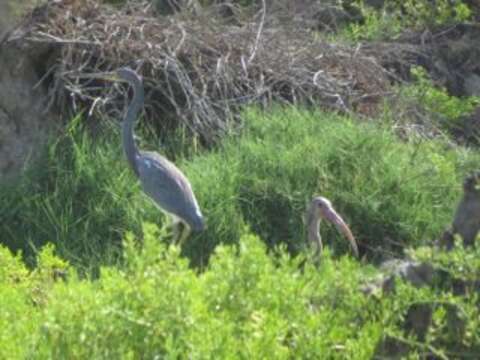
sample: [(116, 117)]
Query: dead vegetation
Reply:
[(197, 71), (201, 67)]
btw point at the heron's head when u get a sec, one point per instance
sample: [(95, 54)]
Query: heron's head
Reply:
[(321, 208)]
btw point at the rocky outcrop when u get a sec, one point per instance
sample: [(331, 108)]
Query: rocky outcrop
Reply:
[(419, 316), (466, 221), (24, 121)]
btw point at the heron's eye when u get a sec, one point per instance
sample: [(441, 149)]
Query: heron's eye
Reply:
[(320, 205)]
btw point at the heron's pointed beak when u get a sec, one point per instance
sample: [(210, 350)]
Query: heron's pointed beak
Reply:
[(107, 76), (331, 215)]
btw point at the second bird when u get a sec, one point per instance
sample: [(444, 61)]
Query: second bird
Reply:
[(321, 208)]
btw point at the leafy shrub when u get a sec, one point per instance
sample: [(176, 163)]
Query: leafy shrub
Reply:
[(440, 12), (448, 109), (245, 304), (376, 24), (155, 306), (395, 16)]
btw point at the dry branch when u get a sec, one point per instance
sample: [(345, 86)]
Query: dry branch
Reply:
[(198, 71)]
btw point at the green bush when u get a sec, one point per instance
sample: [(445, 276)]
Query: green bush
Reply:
[(395, 16), (448, 110), (245, 304), (155, 306)]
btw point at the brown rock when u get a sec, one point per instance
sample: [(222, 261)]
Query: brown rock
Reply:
[(25, 121)]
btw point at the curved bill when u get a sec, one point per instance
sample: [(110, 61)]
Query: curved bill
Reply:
[(331, 215)]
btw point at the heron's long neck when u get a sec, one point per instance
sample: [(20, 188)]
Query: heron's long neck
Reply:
[(136, 104), (313, 223)]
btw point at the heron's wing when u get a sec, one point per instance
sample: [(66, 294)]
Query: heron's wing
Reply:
[(167, 185)]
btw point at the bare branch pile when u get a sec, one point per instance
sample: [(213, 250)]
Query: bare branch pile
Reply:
[(198, 71)]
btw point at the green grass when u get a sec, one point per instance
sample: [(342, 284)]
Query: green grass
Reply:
[(442, 109), (257, 294), (388, 190), (83, 198)]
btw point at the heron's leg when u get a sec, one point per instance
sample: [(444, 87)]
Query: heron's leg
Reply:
[(184, 234), (176, 229), (317, 248), (315, 254)]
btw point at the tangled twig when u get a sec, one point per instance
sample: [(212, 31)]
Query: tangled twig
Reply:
[(198, 73)]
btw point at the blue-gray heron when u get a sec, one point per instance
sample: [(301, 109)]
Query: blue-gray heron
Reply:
[(321, 208), (161, 180)]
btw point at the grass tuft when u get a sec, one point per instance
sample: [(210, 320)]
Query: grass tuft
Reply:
[(393, 193)]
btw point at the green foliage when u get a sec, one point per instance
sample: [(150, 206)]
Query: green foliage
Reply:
[(376, 24), (84, 197), (157, 307), (448, 109), (245, 304), (258, 295), (21, 292), (395, 16), (440, 12), (389, 191)]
